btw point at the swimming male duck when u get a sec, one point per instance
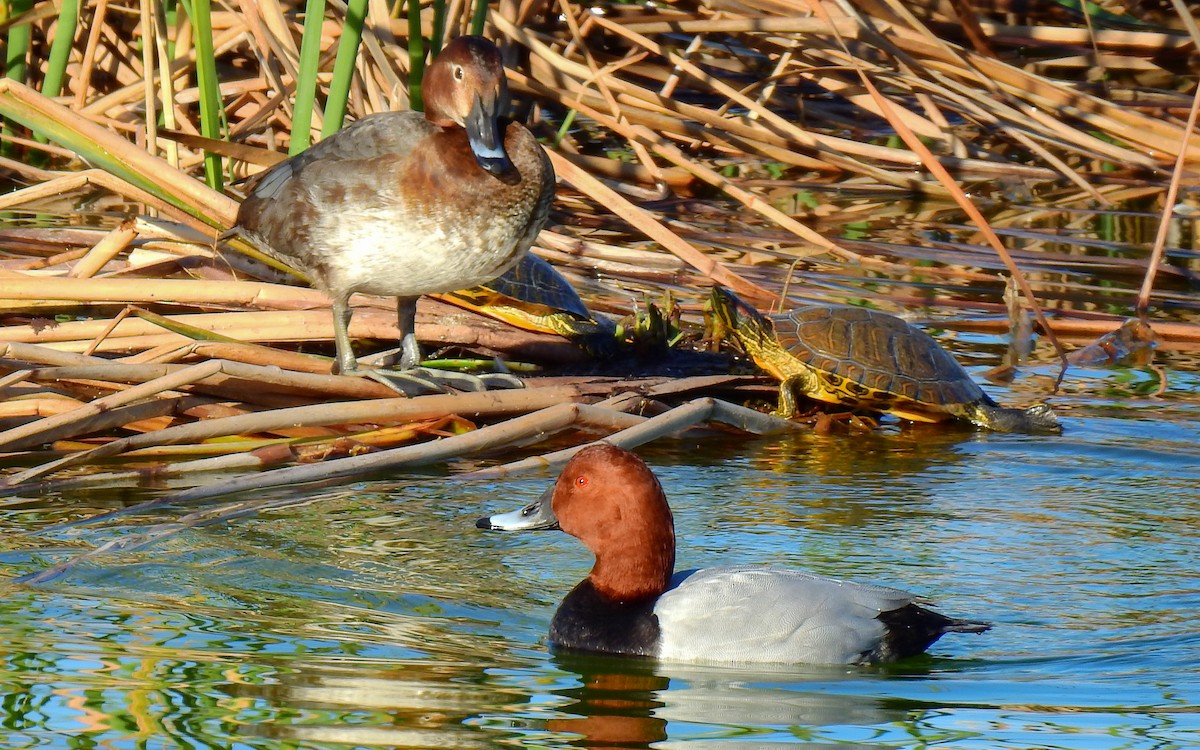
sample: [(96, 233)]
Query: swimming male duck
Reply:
[(632, 603), (404, 203)]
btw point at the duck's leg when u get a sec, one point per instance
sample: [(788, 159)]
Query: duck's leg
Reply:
[(346, 364), (406, 320), (411, 379)]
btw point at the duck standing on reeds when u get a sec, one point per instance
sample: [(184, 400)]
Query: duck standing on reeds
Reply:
[(409, 203)]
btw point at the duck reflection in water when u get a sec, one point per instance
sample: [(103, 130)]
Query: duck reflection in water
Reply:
[(614, 706), (639, 703)]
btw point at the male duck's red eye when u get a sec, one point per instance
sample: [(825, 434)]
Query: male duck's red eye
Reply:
[(581, 481)]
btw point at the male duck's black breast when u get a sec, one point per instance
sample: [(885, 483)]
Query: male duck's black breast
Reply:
[(588, 621)]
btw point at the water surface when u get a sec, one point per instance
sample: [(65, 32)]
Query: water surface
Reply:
[(376, 615)]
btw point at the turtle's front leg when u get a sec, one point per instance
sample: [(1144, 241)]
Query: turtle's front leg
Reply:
[(787, 397)]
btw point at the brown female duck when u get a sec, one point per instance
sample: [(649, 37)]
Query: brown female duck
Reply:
[(404, 203)]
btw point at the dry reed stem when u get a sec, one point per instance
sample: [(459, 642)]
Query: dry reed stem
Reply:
[(1189, 21), (642, 134), (205, 203), (1169, 203), (164, 410), (694, 412), (636, 216), (47, 406), (233, 377), (60, 186), (1183, 336), (1019, 84), (252, 354), (105, 250), (236, 455), (134, 333), (34, 354), (987, 108), (26, 433), (832, 149), (967, 205), (374, 411), (1147, 42), (539, 425), (180, 291), (631, 431)]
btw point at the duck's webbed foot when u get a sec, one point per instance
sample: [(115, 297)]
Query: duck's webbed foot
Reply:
[(407, 377), (392, 369), (418, 381)]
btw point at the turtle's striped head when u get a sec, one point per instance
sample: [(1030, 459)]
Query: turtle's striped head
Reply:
[(731, 315)]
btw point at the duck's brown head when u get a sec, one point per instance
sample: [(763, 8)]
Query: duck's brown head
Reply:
[(466, 87)]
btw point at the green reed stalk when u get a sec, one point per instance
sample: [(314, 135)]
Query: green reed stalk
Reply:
[(438, 36), (170, 15), (416, 46), (306, 77), (102, 149), (211, 110), (416, 56), (479, 18), (60, 48), (565, 128), (16, 54), (343, 68)]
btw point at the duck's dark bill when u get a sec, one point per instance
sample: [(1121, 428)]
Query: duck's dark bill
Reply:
[(536, 515), (486, 136)]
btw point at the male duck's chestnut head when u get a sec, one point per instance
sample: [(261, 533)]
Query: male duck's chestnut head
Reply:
[(466, 86), (611, 501)]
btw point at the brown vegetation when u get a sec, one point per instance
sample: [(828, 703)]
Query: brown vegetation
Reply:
[(794, 151)]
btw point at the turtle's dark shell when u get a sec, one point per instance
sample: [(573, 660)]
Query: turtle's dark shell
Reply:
[(535, 281), (535, 297), (872, 355)]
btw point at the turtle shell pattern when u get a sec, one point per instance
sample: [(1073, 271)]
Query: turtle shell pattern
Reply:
[(870, 358), (534, 281), (534, 296)]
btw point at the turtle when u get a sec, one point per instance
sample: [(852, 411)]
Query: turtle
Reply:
[(535, 297), (862, 358)]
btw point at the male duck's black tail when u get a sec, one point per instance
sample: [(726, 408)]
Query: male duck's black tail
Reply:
[(911, 629)]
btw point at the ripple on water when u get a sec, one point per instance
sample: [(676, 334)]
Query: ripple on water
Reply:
[(377, 615)]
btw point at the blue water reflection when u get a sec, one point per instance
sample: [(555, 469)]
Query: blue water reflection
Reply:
[(376, 615)]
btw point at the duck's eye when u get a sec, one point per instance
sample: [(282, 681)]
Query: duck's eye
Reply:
[(458, 72), (581, 481)]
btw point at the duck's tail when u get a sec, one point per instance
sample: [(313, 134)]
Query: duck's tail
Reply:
[(911, 629)]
